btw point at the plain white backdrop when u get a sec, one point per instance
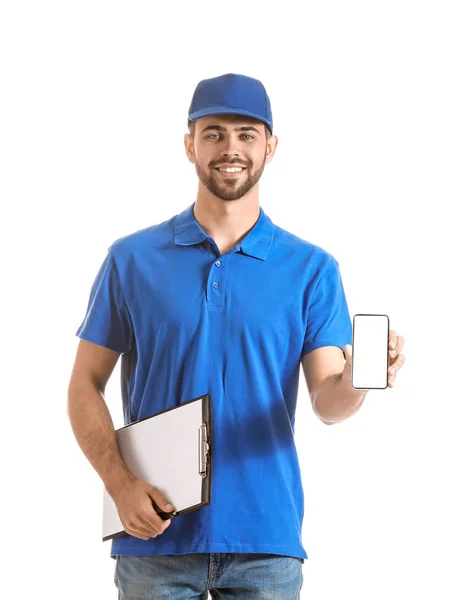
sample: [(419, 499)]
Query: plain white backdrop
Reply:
[(366, 101)]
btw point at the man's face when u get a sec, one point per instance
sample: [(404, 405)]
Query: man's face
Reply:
[(231, 140)]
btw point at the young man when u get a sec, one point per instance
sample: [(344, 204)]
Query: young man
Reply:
[(216, 299)]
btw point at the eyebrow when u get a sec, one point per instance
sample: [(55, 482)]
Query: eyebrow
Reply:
[(221, 128)]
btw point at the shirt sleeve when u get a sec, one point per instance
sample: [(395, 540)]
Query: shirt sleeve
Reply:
[(107, 321), (328, 322)]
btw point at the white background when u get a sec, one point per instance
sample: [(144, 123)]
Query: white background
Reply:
[(366, 101)]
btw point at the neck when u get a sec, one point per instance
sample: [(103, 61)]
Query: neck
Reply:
[(226, 221)]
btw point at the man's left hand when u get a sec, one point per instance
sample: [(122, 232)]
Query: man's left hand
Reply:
[(395, 358)]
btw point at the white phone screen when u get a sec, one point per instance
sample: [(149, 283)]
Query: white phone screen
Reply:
[(370, 351)]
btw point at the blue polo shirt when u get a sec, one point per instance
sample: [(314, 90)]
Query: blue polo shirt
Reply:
[(188, 321)]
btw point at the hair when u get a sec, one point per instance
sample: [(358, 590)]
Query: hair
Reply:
[(192, 129)]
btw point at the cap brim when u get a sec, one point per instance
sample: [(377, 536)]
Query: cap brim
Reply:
[(226, 110)]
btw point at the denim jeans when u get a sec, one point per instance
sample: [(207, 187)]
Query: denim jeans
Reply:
[(230, 576)]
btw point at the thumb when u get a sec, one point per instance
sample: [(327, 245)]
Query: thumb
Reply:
[(348, 350), (162, 502)]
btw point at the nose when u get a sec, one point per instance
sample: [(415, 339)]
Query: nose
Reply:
[(230, 146)]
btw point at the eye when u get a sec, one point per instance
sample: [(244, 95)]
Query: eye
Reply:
[(245, 134)]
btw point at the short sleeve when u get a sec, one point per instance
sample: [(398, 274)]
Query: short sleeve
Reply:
[(107, 321), (328, 321)]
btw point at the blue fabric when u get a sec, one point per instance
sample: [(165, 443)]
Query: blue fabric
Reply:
[(188, 321), (231, 93)]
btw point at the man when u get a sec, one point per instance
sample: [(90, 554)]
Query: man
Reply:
[(216, 299)]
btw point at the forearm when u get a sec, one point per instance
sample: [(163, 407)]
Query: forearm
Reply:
[(94, 431), (336, 400)]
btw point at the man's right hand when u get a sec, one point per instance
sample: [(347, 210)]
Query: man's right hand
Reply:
[(134, 502)]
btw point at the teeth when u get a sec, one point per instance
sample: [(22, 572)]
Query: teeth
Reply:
[(235, 170)]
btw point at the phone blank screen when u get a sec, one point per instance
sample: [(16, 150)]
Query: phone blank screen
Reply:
[(370, 351)]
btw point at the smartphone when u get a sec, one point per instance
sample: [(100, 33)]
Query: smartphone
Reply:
[(369, 366)]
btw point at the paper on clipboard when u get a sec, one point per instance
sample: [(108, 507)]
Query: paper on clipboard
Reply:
[(171, 450)]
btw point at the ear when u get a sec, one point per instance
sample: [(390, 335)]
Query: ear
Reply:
[(271, 148), (189, 147)]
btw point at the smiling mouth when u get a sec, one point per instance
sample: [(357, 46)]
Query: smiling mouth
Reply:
[(230, 174)]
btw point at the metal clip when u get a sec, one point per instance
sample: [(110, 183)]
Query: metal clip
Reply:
[(203, 450)]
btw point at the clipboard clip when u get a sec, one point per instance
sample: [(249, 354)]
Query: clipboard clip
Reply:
[(203, 450)]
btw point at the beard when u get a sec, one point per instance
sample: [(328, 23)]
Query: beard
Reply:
[(232, 188)]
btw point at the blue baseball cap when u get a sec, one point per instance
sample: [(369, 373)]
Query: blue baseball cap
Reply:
[(231, 94)]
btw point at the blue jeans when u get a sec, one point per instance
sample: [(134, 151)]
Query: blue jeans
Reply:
[(233, 576)]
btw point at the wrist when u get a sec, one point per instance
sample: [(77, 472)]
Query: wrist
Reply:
[(119, 481), (337, 400)]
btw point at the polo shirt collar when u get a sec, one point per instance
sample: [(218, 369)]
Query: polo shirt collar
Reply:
[(256, 243)]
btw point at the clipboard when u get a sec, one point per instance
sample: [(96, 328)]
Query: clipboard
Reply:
[(171, 450)]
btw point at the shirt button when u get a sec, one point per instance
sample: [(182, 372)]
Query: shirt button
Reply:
[(218, 263), (215, 284)]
